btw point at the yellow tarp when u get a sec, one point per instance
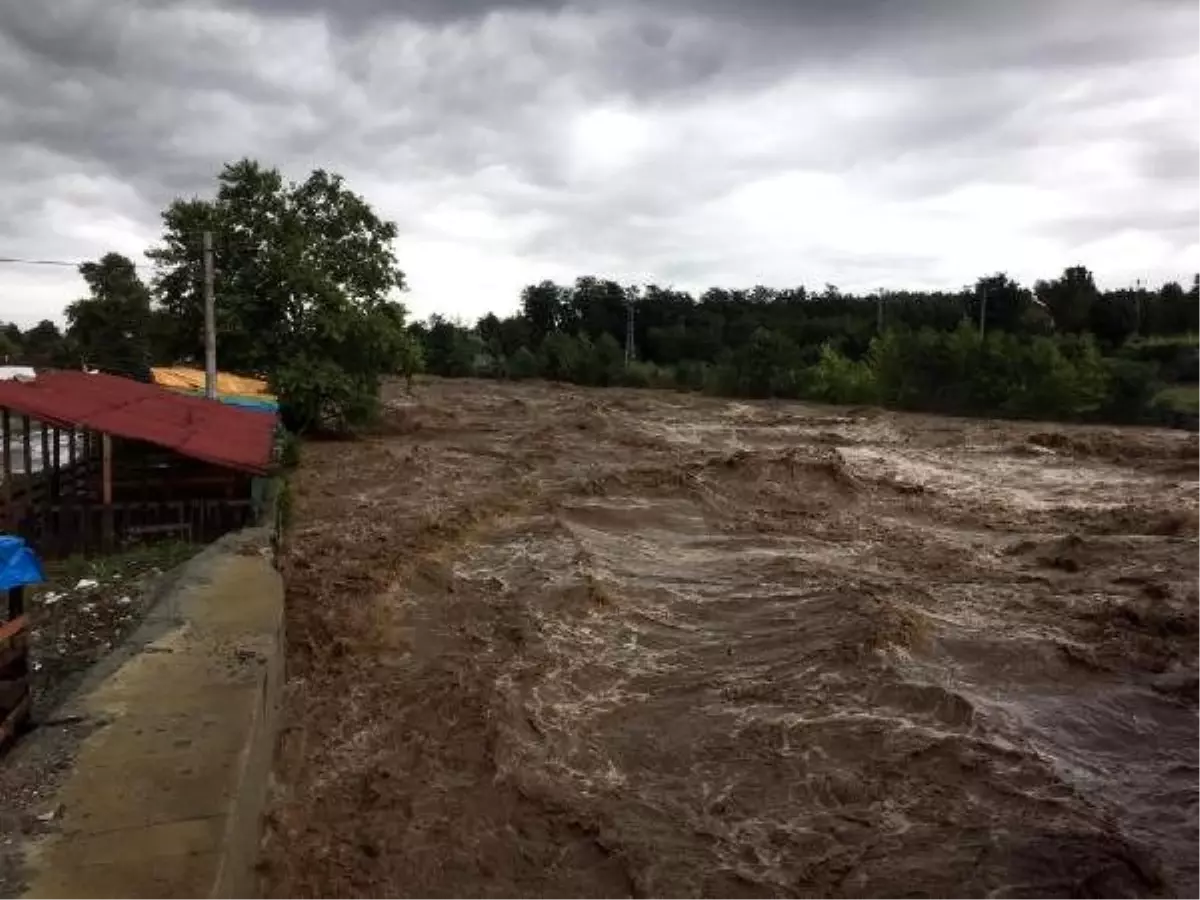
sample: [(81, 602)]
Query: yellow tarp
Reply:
[(183, 379)]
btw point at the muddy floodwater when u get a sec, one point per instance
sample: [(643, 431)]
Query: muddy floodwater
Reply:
[(550, 641)]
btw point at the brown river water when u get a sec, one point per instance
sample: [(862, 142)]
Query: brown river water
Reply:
[(548, 641)]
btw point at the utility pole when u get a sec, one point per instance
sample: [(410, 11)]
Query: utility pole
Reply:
[(879, 312), (210, 325), (628, 331), (982, 310), (1137, 307)]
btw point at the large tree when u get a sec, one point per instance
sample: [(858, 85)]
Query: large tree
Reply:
[(306, 280), (1000, 301), (1069, 298), (109, 328), (543, 306)]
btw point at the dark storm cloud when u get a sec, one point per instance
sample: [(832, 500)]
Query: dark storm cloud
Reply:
[(428, 101), (110, 86), (914, 34), (850, 18)]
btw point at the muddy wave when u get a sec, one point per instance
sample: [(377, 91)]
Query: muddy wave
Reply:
[(638, 644)]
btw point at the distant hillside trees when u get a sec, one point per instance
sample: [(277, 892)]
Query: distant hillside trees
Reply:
[(1063, 349)]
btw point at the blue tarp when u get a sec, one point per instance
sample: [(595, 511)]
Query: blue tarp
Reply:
[(243, 401), (255, 404), (18, 564)]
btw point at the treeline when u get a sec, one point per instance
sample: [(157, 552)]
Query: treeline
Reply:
[(307, 278), (42, 345), (1061, 349)]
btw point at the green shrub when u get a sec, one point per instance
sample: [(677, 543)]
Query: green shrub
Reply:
[(287, 449), (318, 394), (1177, 357), (522, 364), (1131, 389), (691, 375), (640, 374), (837, 379), (559, 357), (284, 507)]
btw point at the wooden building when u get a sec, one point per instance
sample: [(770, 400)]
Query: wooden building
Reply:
[(92, 461)]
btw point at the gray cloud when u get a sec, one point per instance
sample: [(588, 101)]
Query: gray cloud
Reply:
[(968, 33), (438, 107)]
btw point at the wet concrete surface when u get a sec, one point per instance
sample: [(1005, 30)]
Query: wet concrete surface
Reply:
[(149, 780)]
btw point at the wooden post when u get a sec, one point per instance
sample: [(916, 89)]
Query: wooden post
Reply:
[(56, 438), (982, 311), (86, 496), (210, 325), (27, 449), (45, 430), (14, 668), (106, 490), (44, 475), (7, 474), (628, 330)]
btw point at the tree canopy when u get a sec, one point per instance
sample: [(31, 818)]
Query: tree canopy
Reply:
[(307, 277), (110, 328)]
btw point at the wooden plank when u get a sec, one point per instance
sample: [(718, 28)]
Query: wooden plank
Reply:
[(73, 527), (14, 641), (56, 439), (161, 507), (106, 469), (6, 435), (15, 721), (106, 491), (12, 628)]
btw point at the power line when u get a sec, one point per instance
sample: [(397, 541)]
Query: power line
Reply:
[(38, 262), (221, 244), (58, 263)]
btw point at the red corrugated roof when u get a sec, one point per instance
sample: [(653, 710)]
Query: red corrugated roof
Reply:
[(204, 429)]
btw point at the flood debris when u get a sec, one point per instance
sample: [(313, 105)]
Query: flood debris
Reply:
[(86, 607)]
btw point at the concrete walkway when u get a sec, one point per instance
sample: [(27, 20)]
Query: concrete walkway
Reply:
[(165, 795)]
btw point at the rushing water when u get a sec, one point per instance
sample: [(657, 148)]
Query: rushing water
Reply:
[(654, 648)]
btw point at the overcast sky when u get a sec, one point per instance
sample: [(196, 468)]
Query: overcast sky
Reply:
[(865, 143)]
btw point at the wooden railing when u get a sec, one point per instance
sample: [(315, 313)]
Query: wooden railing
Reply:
[(14, 668), (59, 529)]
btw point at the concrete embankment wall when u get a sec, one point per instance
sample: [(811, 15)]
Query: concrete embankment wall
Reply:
[(165, 791)]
